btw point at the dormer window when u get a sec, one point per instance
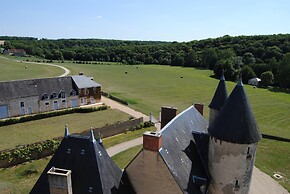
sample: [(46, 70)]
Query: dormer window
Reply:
[(44, 96), (62, 94), (73, 92), (53, 95)]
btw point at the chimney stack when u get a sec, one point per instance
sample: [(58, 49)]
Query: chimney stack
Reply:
[(167, 114), (199, 107), (152, 141), (59, 181)]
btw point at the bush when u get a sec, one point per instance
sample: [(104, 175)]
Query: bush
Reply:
[(148, 124), (25, 152)]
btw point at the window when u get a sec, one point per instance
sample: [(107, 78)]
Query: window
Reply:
[(53, 95), (248, 152), (62, 94), (86, 91), (21, 104), (44, 96), (249, 156), (73, 93), (237, 186), (63, 100), (46, 103), (94, 90)]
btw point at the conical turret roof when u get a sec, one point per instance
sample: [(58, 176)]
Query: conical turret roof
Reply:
[(236, 122), (220, 95)]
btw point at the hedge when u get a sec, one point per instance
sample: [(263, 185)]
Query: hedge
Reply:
[(43, 115)]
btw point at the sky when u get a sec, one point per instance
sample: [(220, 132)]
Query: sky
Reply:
[(158, 20)]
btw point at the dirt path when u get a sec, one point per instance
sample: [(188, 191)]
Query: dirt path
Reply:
[(66, 71), (261, 182), (115, 105)]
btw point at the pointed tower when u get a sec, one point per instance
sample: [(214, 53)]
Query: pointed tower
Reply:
[(218, 100), (232, 145)]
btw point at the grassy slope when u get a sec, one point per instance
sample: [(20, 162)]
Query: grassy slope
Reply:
[(152, 86), (12, 70), (29, 132)]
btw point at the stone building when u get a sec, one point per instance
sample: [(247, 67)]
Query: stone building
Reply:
[(23, 97)]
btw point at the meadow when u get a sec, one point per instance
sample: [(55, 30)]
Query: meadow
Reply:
[(148, 87), (12, 70)]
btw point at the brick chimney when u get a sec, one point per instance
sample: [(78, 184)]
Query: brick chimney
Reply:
[(199, 107), (59, 181), (152, 141), (167, 114)]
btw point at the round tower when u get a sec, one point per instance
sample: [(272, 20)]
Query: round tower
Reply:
[(218, 100), (232, 145)]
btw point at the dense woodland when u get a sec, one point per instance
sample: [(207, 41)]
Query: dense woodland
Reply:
[(263, 56)]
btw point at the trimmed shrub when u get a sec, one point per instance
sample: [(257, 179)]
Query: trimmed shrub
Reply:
[(50, 114)]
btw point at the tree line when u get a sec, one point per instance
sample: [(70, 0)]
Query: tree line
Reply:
[(264, 56)]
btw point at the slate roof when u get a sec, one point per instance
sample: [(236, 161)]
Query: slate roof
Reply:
[(180, 150), (37, 87), (236, 123), (55, 84), (82, 81), (17, 89), (92, 168), (220, 95)]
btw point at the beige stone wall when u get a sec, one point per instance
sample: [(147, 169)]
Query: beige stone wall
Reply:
[(149, 175), (14, 105), (61, 105), (229, 163)]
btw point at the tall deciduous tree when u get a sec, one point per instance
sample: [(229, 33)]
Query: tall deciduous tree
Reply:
[(177, 61), (247, 73), (209, 58), (284, 71), (191, 60), (267, 78)]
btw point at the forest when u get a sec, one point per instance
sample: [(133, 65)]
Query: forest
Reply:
[(263, 56)]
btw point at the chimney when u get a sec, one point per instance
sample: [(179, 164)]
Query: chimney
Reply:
[(152, 141), (199, 107), (59, 181), (167, 114)]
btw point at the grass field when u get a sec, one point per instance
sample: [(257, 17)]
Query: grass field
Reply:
[(149, 87), (12, 70), (33, 131)]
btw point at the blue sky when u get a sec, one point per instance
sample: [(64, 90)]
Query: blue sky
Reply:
[(168, 20)]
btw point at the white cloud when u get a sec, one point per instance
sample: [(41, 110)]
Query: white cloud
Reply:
[(99, 17)]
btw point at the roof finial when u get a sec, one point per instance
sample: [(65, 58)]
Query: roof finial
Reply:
[(66, 133), (100, 141), (92, 137), (223, 75), (240, 81)]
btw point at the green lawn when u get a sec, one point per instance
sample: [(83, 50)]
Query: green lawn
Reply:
[(33, 131), (149, 87), (12, 70)]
